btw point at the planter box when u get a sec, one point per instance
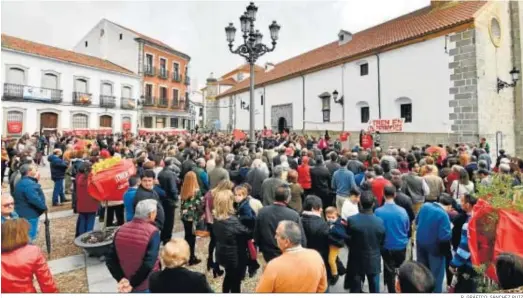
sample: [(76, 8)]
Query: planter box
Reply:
[(95, 249)]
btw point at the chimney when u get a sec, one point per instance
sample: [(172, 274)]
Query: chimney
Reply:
[(344, 37), (269, 66)]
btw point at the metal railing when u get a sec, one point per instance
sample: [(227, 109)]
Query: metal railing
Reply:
[(81, 99), (187, 80), (149, 101), (149, 70), (127, 103), (29, 93), (177, 77), (107, 101), (163, 102), (175, 104), (163, 73)]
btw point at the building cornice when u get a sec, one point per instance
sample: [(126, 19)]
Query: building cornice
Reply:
[(171, 51)]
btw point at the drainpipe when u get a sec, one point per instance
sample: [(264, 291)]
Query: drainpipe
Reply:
[(342, 96), (379, 87), (303, 101)]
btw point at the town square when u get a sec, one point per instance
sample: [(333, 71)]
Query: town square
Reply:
[(262, 147)]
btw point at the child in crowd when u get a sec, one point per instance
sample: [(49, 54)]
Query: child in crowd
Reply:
[(337, 237), (247, 217)]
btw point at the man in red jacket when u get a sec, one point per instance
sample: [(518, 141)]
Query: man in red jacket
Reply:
[(134, 253), (378, 184)]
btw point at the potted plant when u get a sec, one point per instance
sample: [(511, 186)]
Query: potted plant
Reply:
[(108, 180)]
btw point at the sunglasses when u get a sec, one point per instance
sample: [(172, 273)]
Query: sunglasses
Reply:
[(8, 205)]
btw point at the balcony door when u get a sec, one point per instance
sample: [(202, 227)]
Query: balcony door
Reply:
[(107, 89), (48, 122), (16, 76), (50, 81), (126, 92), (148, 91), (149, 61), (80, 85)]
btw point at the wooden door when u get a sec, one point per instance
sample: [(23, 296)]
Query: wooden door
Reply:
[(48, 122), (106, 121)]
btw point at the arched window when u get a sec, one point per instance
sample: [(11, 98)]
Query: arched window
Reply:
[(80, 85), (364, 109), (50, 80), (126, 123), (80, 121), (126, 92), (16, 75), (405, 107), (107, 89)]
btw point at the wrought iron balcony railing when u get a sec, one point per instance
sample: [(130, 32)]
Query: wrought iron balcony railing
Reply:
[(127, 103), (177, 77), (107, 101), (163, 73), (187, 80), (29, 93), (81, 98), (163, 102), (149, 70), (149, 101)]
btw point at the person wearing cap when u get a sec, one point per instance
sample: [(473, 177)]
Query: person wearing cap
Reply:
[(58, 168)]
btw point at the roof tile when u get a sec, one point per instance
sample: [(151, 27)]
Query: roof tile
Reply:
[(26, 46), (413, 25)]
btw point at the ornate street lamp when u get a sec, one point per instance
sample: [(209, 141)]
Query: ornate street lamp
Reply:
[(514, 73), (251, 49)]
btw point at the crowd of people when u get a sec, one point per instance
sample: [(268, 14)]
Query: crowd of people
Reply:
[(296, 200)]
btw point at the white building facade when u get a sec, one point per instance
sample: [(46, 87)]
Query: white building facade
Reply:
[(443, 85), (42, 93)]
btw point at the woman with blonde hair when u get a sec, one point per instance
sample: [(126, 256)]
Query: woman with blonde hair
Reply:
[(231, 241), (175, 278), (191, 208), (22, 261), (224, 185)]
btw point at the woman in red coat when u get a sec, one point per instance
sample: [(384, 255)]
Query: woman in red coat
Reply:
[(86, 206), (304, 175), (22, 261)]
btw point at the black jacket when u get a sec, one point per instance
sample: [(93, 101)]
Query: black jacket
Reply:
[(144, 194), (231, 242), (405, 201), (317, 233), (187, 166), (293, 164), (332, 166), (265, 228), (366, 239), (167, 179), (276, 161), (178, 280), (320, 184)]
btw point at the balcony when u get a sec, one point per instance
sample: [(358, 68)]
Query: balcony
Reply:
[(127, 103), (149, 101), (149, 70), (163, 103), (175, 105), (107, 101), (81, 99), (16, 92), (187, 80), (163, 73), (177, 77)]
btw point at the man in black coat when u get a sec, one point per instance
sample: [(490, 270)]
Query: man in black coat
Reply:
[(320, 182), (168, 183), (267, 222), (366, 239), (188, 164), (146, 191), (316, 229)]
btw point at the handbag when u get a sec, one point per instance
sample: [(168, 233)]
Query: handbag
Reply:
[(252, 250), (201, 229)]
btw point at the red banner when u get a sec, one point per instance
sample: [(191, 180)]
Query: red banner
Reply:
[(344, 136), (366, 142), (386, 125), (14, 127), (171, 132), (238, 135), (86, 131), (111, 184), (126, 126)]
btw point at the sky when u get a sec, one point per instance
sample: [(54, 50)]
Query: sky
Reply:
[(197, 28)]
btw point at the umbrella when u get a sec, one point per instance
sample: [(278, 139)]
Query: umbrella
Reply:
[(441, 152), (47, 234)]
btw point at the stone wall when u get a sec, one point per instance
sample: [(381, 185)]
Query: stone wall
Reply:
[(464, 105)]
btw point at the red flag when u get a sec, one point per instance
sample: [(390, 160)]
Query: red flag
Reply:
[(344, 136), (111, 184), (238, 135)]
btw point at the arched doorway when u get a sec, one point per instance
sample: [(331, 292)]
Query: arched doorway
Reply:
[(106, 121), (48, 122), (282, 124)]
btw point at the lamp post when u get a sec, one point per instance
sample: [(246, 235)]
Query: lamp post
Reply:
[(251, 49), (514, 73)]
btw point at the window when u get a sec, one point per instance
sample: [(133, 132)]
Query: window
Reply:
[(364, 114), (148, 90), (50, 80), (127, 92), (262, 100), (163, 92), (102, 32), (240, 76), (160, 122), (183, 123), (364, 69), (406, 112), (148, 122), (176, 69), (80, 121), (107, 89), (106, 121), (162, 65), (326, 108), (149, 60), (121, 36), (86, 43), (80, 85), (174, 122), (16, 76), (201, 112), (175, 97)]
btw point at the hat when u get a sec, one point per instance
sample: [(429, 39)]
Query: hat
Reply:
[(105, 154), (289, 152)]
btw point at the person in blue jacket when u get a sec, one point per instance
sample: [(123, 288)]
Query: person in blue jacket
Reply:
[(29, 198), (58, 168), (433, 237), (461, 264), (128, 197)]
